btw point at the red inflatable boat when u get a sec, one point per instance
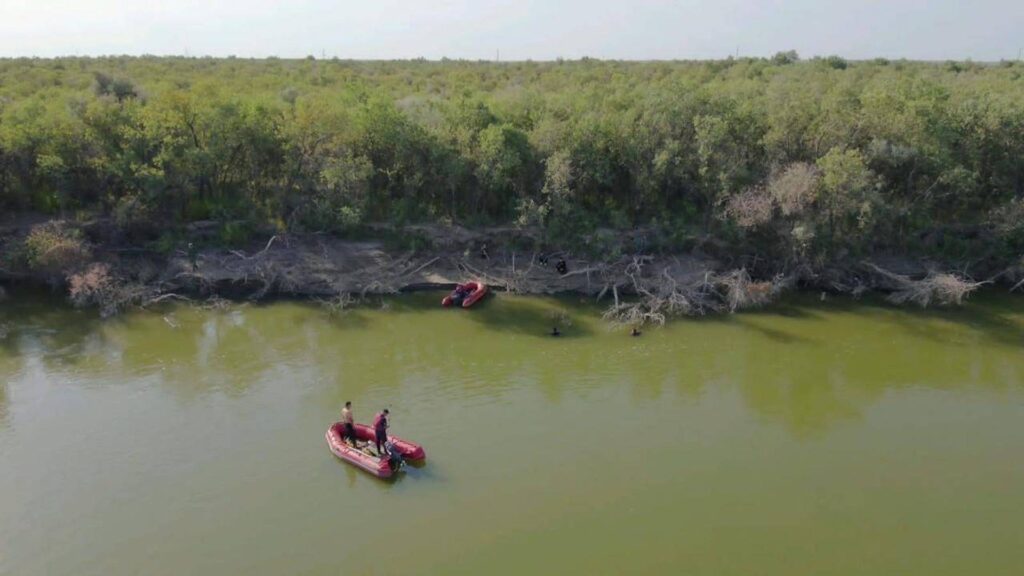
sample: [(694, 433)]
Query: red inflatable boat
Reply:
[(468, 294), (381, 467)]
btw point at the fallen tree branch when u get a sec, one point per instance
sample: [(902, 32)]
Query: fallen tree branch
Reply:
[(242, 255), (424, 265), (941, 287), (162, 297)]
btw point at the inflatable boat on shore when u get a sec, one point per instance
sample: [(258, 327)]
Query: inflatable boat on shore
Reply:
[(465, 295), (364, 458)]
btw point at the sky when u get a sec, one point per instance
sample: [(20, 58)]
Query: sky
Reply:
[(982, 30)]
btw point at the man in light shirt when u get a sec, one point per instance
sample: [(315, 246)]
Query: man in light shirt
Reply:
[(349, 422)]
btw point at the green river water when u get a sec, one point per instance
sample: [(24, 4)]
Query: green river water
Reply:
[(829, 439)]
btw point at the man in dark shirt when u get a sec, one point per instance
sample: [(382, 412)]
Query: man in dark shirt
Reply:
[(380, 430)]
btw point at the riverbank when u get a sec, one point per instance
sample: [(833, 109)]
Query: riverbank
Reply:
[(95, 266)]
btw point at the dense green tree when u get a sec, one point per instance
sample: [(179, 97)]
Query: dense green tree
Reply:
[(847, 194), (819, 156)]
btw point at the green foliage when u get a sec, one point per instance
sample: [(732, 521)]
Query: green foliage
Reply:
[(405, 241), (796, 157), (119, 88), (788, 57), (847, 195), (166, 243), (235, 233), (835, 62)]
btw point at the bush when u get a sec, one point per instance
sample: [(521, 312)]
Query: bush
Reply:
[(407, 241), (235, 233), (89, 286), (836, 63), (120, 88), (97, 286), (795, 188), (749, 209), (53, 247), (788, 57)]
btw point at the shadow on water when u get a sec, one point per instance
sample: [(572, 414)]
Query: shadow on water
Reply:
[(989, 322), (861, 350), (59, 333), (354, 319), (773, 334), (498, 311), (754, 320), (743, 320), (529, 318), (989, 317), (809, 387), (794, 308)]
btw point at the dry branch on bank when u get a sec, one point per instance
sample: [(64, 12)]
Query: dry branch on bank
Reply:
[(660, 295), (97, 286), (942, 288), (742, 292), (215, 303), (340, 303)]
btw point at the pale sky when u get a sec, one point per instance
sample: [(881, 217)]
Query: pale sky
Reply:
[(982, 30)]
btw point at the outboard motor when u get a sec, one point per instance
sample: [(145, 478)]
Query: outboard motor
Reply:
[(394, 456)]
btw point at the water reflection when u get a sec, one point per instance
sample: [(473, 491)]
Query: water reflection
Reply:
[(4, 370), (803, 365)]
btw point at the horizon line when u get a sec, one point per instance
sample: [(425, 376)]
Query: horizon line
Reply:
[(444, 59)]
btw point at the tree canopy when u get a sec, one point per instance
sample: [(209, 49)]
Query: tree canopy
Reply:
[(810, 156)]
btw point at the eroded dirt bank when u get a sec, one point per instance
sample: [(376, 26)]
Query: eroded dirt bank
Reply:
[(638, 287)]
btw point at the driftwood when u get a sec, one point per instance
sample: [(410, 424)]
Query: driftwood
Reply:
[(662, 294), (340, 303), (242, 255), (162, 297), (1017, 286), (943, 288), (96, 285), (424, 265)]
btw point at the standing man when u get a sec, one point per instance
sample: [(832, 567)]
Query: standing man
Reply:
[(349, 422), (380, 430), (193, 256)]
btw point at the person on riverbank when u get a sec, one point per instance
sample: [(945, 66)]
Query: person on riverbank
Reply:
[(349, 421), (380, 431), (193, 257)]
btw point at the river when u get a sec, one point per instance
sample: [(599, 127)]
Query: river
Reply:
[(809, 438)]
